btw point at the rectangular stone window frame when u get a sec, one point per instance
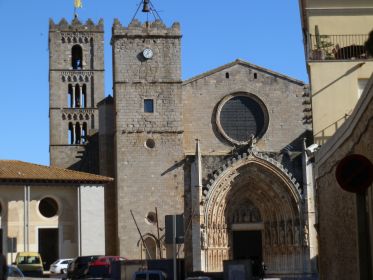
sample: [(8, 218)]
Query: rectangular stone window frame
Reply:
[(149, 105)]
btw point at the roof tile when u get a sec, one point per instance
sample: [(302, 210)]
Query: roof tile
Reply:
[(14, 170)]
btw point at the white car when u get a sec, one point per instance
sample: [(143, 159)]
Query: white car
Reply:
[(60, 266)]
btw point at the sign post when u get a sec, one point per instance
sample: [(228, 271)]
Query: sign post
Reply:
[(12, 246), (354, 174), (174, 235), (174, 243)]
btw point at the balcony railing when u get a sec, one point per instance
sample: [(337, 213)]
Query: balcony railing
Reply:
[(337, 47)]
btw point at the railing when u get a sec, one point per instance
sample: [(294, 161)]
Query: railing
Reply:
[(337, 47), (323, 135)]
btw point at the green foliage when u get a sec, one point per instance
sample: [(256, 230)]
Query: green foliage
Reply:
[(324, 45)]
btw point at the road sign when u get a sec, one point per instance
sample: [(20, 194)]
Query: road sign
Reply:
[(179, 229), (354, 173)]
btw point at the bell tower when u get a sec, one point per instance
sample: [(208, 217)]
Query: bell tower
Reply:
[(76, 85), (149, 129)]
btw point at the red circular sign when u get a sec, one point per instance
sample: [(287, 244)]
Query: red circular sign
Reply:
[(354, 173)]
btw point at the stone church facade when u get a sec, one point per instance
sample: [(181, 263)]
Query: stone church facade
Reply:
[(225, 148)]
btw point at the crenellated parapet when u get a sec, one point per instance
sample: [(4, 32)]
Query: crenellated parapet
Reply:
[(76, 25), (147, 29)]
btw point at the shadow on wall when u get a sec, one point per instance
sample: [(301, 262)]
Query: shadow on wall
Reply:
[(89, 158), (173, 167), (290, 156), (323, 135), (348, 72)]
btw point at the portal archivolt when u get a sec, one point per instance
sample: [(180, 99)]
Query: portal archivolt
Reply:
[(251, 194)]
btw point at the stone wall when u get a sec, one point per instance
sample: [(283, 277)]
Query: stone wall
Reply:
[(131, 117), (107, 157), (337, 214), (147, 178), (287, 103), (128, 44), (283, 97)]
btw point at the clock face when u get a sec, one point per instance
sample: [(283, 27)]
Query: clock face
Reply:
[(147, 53)]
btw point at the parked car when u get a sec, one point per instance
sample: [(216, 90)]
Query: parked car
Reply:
[(198, 278), (30, 263), (78, 267), (60, 266), (101, 267), (14, 271), (149, 275)]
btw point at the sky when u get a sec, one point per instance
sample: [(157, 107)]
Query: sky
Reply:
[(263, 32)]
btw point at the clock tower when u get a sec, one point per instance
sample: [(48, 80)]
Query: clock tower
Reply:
[(149, 130)]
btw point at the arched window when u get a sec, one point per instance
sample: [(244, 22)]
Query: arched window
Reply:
[(84, 96), (77, 57), (77, 96), (84, 133), (71, 135), (78, 133), (70, 96)]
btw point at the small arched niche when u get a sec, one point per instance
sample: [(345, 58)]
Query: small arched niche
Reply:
[(151, 248)]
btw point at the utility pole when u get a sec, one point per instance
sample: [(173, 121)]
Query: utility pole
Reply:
[(158, 238), (142, 239), (174, 244)]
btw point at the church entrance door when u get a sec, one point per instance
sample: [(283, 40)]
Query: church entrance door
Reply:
[(252, 210), (48, 245), (248, 245)]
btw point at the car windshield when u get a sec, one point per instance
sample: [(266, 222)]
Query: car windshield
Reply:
[(28, 260)]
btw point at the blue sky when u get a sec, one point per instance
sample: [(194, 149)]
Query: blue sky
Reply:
[(264, 32)]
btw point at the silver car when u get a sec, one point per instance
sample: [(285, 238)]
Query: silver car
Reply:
[(60, 266)]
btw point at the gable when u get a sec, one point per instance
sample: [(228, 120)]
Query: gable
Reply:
[(244, 66)]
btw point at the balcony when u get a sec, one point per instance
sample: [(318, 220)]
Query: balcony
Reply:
[(337, 47)]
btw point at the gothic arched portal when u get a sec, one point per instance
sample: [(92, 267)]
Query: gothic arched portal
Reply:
[(254, 201)]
